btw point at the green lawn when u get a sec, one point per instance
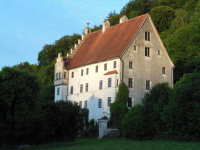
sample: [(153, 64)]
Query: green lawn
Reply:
[(118, 144)]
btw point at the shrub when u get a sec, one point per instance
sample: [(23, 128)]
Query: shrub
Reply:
[(134, 123), (118, 109), (182, 114), (153, 102)]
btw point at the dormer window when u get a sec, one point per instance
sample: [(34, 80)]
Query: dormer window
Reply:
[(147, 36)]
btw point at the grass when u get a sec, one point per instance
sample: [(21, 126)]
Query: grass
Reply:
[(117, 144)]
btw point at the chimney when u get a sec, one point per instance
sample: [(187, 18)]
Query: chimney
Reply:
[(123, 19), (87, 30), (59, 55), (106, 24)]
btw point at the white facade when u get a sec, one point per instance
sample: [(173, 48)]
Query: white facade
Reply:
[(94, 93)]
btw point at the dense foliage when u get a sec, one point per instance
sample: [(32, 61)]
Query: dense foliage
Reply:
[(18, 98), (144, 121), (134, 123), (181, 116), (153, 103), (118, 108)]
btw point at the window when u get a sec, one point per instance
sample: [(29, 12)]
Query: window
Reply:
[(109, 82), (109, 101), (163, 70), (58, 91), (100, 84), (80, 104), (117, 82), (72, 74), (135, 47), (87, 71), (99, 103), (86, 87), (129, 102), (81, 88), (85, 104), (147, 85), (147, 36), (105, 67), (130, 64), (130, 82), (96, 68), (114, 64), (59, 75), (81, 72), (158, 52), (71, 90), (56, 75), (64, 74), (147, 51)]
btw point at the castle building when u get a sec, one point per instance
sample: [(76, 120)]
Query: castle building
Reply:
[(130, 52)]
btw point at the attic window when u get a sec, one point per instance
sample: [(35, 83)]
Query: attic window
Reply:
[(147, 51), (134, 47), (147, 36), (82, 72), (158, 52)]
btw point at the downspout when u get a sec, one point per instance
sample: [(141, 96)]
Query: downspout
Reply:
[(172, 77), (122, 68)]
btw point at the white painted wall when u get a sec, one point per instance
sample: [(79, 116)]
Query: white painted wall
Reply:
[(94, 93), (62, 94)]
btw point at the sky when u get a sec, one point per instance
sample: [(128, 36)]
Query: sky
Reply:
[(27, 25)]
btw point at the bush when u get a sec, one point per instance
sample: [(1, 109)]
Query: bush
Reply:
[(118, 109), (134, 123), (182, 114), (153, 102), (64, 119)]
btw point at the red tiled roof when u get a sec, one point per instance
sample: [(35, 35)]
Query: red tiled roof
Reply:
[(112, 43), (111, 72)]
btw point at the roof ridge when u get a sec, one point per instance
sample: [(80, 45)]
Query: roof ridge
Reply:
[(123, 22)]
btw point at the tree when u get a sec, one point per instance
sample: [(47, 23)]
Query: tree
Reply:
[(30, 68), (181, 116), (153, 102), (50, 51), (18, 99), (47, 95), (65, 119), (162, 17), (118, 109)]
